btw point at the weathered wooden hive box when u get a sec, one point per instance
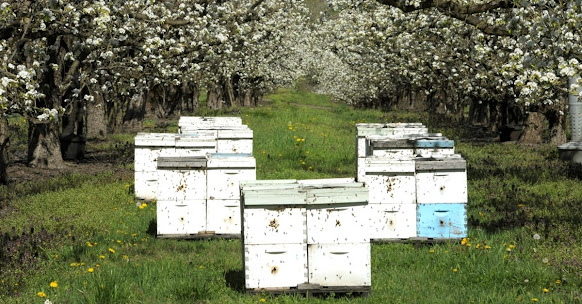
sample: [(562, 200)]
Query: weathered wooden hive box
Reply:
[(199, 196), (364, 130), (392, 198), (149, 146), (303, 236), (441, 196), (181, 195), (224, 173)]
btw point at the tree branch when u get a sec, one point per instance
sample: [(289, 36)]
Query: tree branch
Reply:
[(460, 12)]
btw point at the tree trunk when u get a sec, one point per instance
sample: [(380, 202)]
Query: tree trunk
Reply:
[(247, 99), (135, 112), (534, 126), (44, 148), (4, 140), (557, 125), (478, 113), (96, 124), (214, 100), (494, 123)]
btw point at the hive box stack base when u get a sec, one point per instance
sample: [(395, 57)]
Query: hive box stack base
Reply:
[(306, 236)]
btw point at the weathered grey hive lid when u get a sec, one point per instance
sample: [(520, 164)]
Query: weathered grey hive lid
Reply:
[(182, 163), (328, 182), (391, 143), (449, 162)]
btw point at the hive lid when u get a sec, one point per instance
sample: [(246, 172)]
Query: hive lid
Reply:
[(230, 160), (273, 197), (155, 139), (449, 162), (185, 162), (436, 142), (328, 182), (338, 195), (214, 121), (376, 144), (191, 128)]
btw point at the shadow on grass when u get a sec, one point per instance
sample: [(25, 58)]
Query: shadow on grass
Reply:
[(235, 280), (152, 228)]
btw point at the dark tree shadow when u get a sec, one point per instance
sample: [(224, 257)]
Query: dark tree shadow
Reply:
[(152, 228)]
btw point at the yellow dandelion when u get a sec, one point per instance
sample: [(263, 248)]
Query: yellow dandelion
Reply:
[(97, 265), (91, 269), (298, 139), (558, 282), (262, 300), (534, 299), (102, 257), (487, 247), (143, 205), (125, 257), (111, 250), (54, 284), (201, 267), (89, 244), (431, 251), (303, 139), (119, 241), (310, 168), (74, 264), (455, 270), (464, 241), (477, 246), (41, 294), (546, 290)]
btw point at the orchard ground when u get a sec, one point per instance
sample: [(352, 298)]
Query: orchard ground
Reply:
[(76, 235)]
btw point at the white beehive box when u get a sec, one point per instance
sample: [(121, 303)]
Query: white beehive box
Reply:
[(391, 148), (181, 178), (180, 218), (390, 181), (223, 217), (392, 221), (338, 214), (441, 180), (225, 171), (344, 264), (274, 216), (275, 266), (149, 146), (235, 141)]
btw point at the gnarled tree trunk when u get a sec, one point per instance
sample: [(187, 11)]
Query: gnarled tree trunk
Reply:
[(534, 126), (4, 140), (44, 148), (96, 124), (557, 125), (135, 112)]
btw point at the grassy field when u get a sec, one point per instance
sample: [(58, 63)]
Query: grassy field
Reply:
[(84, 239)]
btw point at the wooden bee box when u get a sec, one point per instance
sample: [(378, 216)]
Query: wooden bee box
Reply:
[(441, 180), (343, 264), (428, 147), (181, 178), (442, 221), (223, 217), (180, 218), (224, 173), (390, 181), (202, 122), (275, 265), (392, 221)]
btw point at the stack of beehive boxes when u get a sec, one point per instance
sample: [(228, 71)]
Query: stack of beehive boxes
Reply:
[(194, 175), (305, 235), (418, 186)]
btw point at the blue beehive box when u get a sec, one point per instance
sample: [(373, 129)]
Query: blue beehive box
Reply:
[(434, 143), (441, 221)]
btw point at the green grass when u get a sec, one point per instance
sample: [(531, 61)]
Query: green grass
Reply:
[(92, 222)]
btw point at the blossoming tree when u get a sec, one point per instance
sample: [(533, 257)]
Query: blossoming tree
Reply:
[(60, 58)]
